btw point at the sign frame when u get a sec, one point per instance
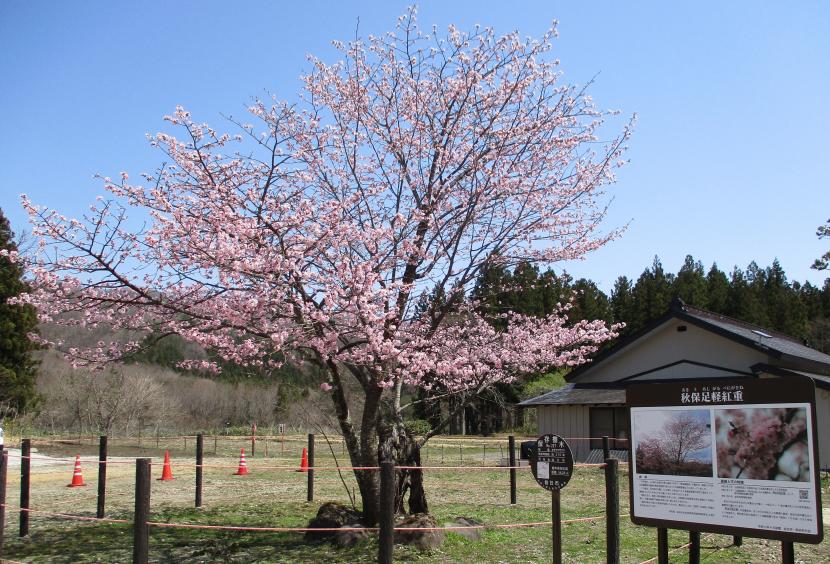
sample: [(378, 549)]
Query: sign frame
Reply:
[(749, 392)]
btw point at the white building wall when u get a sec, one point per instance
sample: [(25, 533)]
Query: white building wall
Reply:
[(667, 345)]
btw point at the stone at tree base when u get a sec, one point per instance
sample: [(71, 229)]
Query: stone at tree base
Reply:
[(422, 540), (471, 534), (334, 515), (345, 539)]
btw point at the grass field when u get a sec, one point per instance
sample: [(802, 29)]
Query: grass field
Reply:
[(267, 498)]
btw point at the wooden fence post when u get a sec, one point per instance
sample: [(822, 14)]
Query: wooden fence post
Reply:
[(606, 450), (386, 532), (200, 451), (310, 496), (737, 541), (102, 476), (141, 531), (4, 466), (556, 525), (612, 511), (511, 447), (25, 476)]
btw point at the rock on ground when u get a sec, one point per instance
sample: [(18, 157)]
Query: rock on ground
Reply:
[(332, 516), (471, 534), (422, 540)]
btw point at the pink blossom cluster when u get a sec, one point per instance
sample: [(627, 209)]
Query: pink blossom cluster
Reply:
[(414, 163), (762, 443)]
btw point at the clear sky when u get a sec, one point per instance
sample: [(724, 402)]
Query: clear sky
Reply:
[(729, 161)]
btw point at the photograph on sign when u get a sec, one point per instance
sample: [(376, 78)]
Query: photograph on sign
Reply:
[(676, 443), (763, 444), (732, 457)]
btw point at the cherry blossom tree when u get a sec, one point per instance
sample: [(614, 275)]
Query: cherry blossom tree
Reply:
[(683, 435), (312, 233), (671, 449)]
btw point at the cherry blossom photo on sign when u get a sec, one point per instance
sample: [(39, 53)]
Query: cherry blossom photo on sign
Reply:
[(673, 442), (763, 444)]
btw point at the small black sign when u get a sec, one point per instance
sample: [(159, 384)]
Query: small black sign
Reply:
[(552, 462)]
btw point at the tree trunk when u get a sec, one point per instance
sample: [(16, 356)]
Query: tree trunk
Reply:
[(381, 436), (404, 449)]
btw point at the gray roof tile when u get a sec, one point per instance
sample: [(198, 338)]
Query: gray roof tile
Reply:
[(580, 394)]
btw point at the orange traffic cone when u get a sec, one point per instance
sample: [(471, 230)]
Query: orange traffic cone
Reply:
[(77, 476), (304, 461), (166, 472), (243, 466)]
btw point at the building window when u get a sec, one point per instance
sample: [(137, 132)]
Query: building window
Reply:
[(609, 422)]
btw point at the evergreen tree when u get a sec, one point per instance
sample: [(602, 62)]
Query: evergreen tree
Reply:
[(17, 368), (652, 294), (526, 297), (554, 290), (622, 302), (746, 295), (823, 262), (786, 313), (590, 302), (690, 284), (492, 291), (717, 290)]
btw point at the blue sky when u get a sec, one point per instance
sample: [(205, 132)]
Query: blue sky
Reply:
[(729, 160)]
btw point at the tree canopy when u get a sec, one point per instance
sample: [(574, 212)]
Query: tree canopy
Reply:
[(414, 164)]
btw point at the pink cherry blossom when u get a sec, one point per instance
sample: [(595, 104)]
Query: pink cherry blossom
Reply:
[(314, 228)]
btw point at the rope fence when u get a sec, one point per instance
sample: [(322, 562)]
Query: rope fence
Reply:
[(305, 529), (141, 522), (180, 463)]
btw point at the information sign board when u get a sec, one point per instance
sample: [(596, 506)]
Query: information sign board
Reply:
[(552, 462), (737, 457)]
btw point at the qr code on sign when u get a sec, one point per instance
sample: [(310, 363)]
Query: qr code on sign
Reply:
[(802, 494)]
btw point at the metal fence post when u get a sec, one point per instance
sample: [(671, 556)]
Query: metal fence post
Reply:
[(787, 553), (694, 547), (662, 546)]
